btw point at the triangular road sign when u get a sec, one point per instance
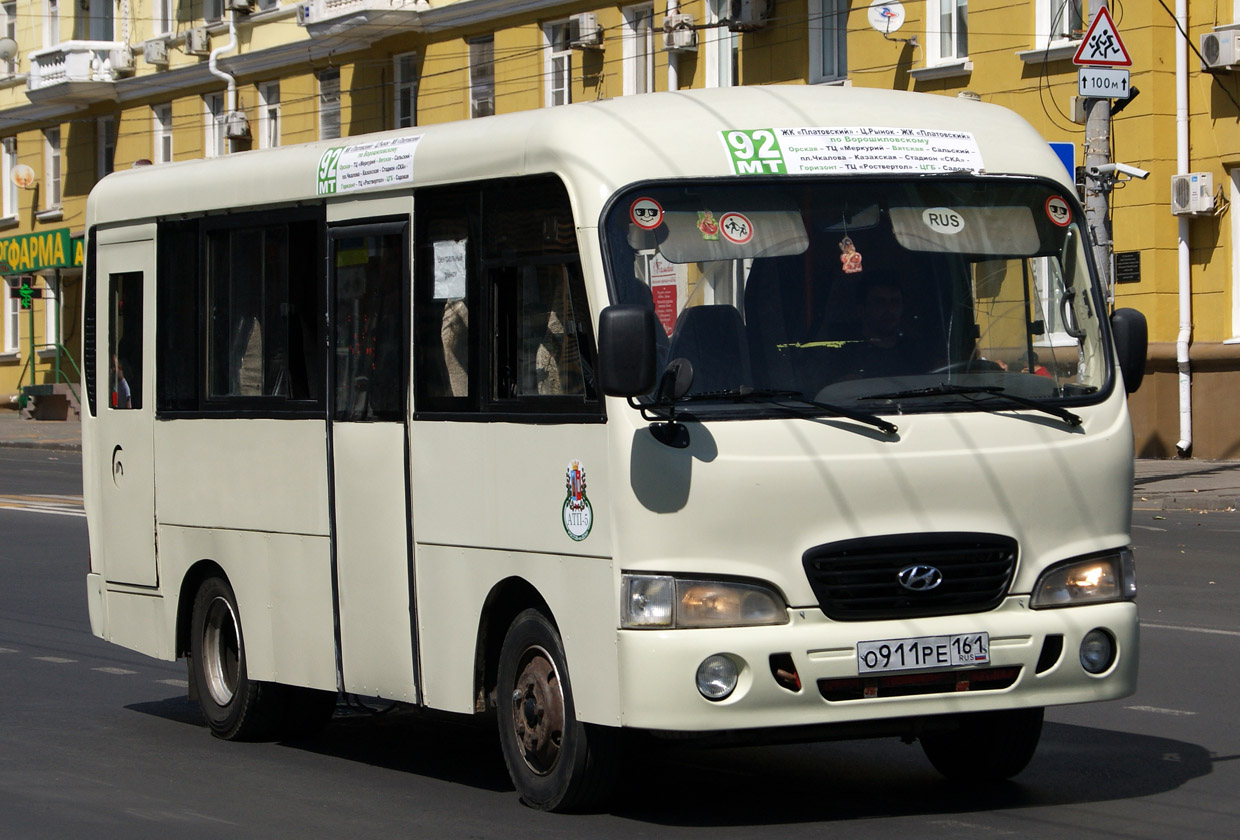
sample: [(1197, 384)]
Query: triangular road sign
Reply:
[(1102, 46)]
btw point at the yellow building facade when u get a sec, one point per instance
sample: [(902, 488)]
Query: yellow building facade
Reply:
[(99, 85)]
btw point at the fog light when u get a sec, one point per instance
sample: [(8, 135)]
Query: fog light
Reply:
[(717, 676), (1097, 651)]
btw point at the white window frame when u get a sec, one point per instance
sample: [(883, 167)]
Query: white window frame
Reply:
[(51, 23), (161, 133), (482, 84), (214, 117), (720, 45), (8, 161), (405, 90), (105, 145), (51, 311), (637, 48), (269, 117), (1058, 36), (212, 10), (936, 10), (8, 28), (329, 104), (557, 63), (828, 16), (165, 17), (12, 321), (52, 171)]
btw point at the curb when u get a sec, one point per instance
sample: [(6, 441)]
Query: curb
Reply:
[(50, 445)]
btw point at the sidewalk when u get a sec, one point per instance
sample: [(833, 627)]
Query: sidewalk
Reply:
[(1169, 484)]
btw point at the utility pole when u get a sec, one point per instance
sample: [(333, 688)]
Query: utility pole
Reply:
[(1098, 187)]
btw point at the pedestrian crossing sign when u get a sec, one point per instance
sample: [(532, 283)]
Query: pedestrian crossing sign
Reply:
[(1102, 46)]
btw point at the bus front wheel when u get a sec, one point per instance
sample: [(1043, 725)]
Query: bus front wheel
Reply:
[(987, 746), (556, 762), (235, 707)]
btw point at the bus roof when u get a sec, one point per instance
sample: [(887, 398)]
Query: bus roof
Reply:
[(598, 147)]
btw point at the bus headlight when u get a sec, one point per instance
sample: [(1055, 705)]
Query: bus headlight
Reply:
[(662, 601), (1091, 580)]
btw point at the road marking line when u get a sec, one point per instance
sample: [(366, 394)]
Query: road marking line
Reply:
[(1209, 630), (114, 670), (1158, 711), (55, 660), (9, 650), (177, 683)]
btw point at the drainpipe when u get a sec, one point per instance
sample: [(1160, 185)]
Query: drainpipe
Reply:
[(1185, 445), (230, 102), (673, 58)]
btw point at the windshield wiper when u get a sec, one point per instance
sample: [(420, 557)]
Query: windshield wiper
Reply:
[(948, 389), (747, 394)]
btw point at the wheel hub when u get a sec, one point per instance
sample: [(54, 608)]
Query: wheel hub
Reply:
[(221, 651), (538, 711)]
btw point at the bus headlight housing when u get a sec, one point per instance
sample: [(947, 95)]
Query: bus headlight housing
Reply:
[(663, 602), (1098, 579)]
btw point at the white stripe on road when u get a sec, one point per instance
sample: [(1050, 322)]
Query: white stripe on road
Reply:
[(113, 671), (177, 683), (1209, 630), (55, 660), (1158, 711)]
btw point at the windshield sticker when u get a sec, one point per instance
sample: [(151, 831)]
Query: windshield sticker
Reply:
[(578, 515), (1058, 211), (646, 213), (943, 220), (736, 228), (850, 257), (665, 288), (708, 226), (849, 151), (367, 166)]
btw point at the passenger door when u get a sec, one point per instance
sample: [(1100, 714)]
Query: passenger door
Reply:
[(371, 526), (125, 274)]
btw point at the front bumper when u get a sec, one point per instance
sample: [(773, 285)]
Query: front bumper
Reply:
[(657, 668)]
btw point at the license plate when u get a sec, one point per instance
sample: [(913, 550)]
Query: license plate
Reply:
[(923, 653)]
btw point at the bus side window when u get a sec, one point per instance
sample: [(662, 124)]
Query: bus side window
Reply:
[(125, 340)]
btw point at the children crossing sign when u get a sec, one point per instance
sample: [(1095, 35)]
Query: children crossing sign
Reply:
[(1102, 46)]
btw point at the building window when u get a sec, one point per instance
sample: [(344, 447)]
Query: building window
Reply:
[(105, 133), (12, 316), (212, 10), (214, 118), (164, 17), (51, 309), (98, 22), (638, 50), (1059, 21), (720, 44), (482, 76), (51, 162), (947, 36), (8, 25), (828, 40), (8, 161), (162, 139), (329, 104), (558, 66), (51, 23), (269, 115), (405, 73)]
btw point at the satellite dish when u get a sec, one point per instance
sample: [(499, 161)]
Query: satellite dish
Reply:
[(886, 15), (8, 49), (23, 176)]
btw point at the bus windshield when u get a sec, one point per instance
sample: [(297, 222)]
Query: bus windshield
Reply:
[(909, 294)]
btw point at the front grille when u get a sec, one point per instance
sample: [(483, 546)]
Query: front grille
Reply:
[(858, 580)]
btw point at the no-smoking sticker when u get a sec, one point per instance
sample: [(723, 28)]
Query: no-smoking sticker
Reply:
[(736, 228), (1058, 211), (646, 213)]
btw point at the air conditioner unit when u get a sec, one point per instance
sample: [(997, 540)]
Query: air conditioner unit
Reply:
[(197, 41), (584, 33), (1192, 194), (679, 34), (747, 15), (1220, 51), (155, 52), (236, 126), (242, 6), (121, 59), (305, 14)]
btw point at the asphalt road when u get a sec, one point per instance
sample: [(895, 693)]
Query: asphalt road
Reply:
[(98, 742)]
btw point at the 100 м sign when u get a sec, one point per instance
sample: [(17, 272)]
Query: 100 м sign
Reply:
[(1103, 83)]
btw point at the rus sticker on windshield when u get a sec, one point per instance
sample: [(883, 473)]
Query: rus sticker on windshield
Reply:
[(850, 151)]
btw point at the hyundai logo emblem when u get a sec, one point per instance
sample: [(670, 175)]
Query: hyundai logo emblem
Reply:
[(920, 578)]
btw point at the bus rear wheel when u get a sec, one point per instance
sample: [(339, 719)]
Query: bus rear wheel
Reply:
[(987, 746), (556, 762), (235, 707)]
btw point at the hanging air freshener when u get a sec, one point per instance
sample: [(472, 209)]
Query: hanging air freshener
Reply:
[(851, 257)]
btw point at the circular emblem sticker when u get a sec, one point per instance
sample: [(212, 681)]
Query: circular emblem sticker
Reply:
[(646, 213), (736, 228), (943, 220), (578, 515), (1058, 211)]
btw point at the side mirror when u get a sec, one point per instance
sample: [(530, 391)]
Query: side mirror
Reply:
[(627, 355), (1131, 343)]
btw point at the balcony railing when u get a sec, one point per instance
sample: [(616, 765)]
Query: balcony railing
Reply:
[(75, 71), (357, 17)]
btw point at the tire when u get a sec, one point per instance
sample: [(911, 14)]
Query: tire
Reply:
[(987, 746), (235, 707), (556, 762)]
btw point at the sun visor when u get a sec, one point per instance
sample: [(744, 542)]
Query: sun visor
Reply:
[(723, 234), (992, 231)]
